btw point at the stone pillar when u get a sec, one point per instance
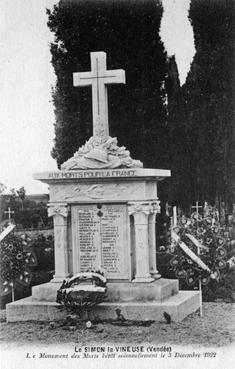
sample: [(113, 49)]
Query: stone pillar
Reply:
[(152, 239), (60, 217), (140, 212)]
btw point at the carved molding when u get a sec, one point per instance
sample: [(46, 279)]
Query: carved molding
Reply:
[(139, 207), (93, 191), (58, 209), (144, 207), (156, 207), (101, 152)]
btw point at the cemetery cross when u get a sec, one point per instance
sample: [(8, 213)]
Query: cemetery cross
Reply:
[(197, 207), (99, 77), (9, 212)]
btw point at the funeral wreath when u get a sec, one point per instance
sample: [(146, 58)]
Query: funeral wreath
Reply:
[(201, 249), (16, 258), (82, 291)]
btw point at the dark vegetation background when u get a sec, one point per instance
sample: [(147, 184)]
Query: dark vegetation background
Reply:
[(43, 248)]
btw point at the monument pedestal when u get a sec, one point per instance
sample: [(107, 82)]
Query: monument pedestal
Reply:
[(118, 291), (137, 301), (105, 219)]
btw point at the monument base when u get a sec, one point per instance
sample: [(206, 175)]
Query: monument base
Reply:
[(178, 307), (137, 301), (119, 291)]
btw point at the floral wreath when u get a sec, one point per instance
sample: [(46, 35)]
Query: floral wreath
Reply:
[(82, 291), (16, 258), (199, 249)]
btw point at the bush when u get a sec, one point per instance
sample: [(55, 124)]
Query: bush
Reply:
[(24, 263), (16, 261), (33, 218), (44, 250)]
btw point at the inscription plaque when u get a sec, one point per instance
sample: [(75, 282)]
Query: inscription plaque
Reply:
[(100, 239)]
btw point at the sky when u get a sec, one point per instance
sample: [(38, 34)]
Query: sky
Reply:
[(177, 34), (26, 78)]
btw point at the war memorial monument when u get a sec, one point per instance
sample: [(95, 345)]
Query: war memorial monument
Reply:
[(104, 205)]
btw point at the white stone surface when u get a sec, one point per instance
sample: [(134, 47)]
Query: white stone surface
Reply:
[(100, 191), (101, 153), (178, 306), (98, 78), (60, 215), (100, 239), (140, 212), (94, 174), (152, 240), (159, 290), (137, 194)]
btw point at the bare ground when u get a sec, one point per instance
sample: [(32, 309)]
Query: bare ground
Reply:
[(215, 328)]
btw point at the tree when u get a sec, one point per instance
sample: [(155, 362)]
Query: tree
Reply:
[(179, 188), (2, 188), (21, 193), (129, 33), (13, 193), (209, 99), (200, 114), (12, 201)]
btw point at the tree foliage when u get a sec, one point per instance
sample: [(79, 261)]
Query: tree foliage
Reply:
[(200, 114), (128, 31), (27, 213), (209, 101), (179, 188)]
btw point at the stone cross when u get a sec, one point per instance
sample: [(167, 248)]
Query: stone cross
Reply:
[(99, 77), (197, 207), (9, 212)]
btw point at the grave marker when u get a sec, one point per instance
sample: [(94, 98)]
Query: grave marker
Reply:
[(9, 212)]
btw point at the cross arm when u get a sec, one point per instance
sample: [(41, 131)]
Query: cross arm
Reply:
[(116, 76), (82, 79)]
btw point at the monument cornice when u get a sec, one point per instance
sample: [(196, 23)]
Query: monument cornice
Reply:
[(104, 174)]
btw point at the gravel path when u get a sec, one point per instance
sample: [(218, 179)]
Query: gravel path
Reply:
[(215, 328)]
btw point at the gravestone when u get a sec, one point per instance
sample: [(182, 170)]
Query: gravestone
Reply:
[(104, 205)]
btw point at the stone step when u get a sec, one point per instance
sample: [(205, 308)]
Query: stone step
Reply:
[(158, 290), (177, 306)]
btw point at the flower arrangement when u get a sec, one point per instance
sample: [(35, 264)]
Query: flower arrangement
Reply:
[(16, 258), (82, 291), (199, 249)]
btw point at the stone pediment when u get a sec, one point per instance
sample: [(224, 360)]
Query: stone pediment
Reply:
[(101, 153)]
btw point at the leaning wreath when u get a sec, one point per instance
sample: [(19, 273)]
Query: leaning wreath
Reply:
[(199, 249), (82, 291)]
